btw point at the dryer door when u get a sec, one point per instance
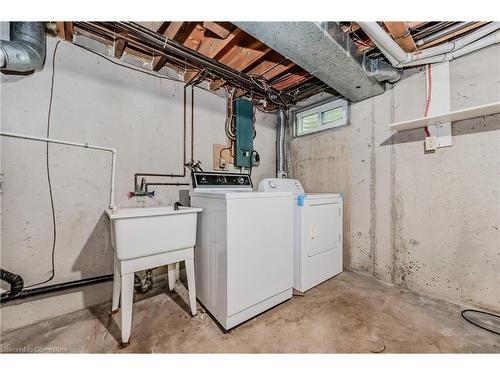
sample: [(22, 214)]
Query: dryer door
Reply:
[(321, 226)]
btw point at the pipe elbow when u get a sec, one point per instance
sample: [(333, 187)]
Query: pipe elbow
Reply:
[(25, 51)]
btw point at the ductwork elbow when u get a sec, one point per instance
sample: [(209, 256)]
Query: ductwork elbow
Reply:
[(25, 51)]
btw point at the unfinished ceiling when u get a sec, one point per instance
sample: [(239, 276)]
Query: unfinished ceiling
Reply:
[(265, 66), (256, 67)]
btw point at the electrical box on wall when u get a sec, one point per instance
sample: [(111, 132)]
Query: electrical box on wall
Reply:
[(243, 129)]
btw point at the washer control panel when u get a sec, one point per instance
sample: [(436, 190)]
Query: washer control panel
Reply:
[(281, 185), (221, 180)]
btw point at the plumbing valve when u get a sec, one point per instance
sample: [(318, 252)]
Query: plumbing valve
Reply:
[(131, 194)]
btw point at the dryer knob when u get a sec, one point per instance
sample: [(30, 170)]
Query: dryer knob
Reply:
[(272, 184)]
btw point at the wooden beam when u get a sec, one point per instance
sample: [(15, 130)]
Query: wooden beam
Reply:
[(64, 30), (221, 29), (452, 35), (119, 47), (170, 31), (214, 47), (273, 65), (292, 80), (401, 35), (241, 56), (194, 39)]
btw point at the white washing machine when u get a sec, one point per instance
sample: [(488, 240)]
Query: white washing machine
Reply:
[(318, 232), (244, 247)]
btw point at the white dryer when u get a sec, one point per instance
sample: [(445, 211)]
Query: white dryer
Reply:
[(244, 248), (317, 232)]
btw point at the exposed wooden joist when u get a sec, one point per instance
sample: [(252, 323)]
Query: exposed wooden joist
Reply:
[(248, 52), (119, 47), (452, 35), (273, 65), (400, 33), (221, 29), (173, 30), (292, 80), (213, 48), (64, 30), (194, 39)]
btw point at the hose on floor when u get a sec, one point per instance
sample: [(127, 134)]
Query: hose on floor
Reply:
[(464, 313)]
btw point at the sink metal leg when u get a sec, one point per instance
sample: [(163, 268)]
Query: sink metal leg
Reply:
[(127, 297), (171, 276), (191, 284), (117, 280)]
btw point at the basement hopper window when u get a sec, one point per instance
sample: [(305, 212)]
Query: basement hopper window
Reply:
[(322, 117)]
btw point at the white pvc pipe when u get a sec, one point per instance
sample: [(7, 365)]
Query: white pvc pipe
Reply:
[(76, 144), (481, 43), (399, 58)]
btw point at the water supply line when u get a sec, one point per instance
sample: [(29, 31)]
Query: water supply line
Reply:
[(483, 37), (25, 51), (280, 145), (112, 205)]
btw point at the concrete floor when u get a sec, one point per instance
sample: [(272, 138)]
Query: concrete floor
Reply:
[(348, 314)]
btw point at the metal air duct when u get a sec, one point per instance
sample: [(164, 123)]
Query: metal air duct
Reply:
[(326, 52), (25, 51)]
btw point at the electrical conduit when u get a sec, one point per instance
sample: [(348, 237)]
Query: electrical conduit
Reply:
[(444, 52)]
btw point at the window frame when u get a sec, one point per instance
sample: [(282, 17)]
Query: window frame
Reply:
[(319, 109)]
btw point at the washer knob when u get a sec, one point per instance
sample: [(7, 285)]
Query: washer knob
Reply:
[(241, 180), (272, 184)]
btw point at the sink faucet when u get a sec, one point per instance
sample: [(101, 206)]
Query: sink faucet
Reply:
[(142, 190)]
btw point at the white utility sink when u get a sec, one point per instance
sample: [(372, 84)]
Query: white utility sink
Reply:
[(140, 232), (144, 238)]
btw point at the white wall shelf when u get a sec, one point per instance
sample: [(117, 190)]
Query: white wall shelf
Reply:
[(461, 114)]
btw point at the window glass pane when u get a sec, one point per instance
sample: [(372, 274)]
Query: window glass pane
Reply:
[(332, 115), (310, 122)]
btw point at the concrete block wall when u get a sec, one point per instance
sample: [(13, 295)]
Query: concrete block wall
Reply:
[(100, 103), (427, 222)]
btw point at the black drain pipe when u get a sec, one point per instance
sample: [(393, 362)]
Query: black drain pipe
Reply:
[(54, 287), (16, 283)]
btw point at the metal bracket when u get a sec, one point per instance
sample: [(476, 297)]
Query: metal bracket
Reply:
[(440, 103)]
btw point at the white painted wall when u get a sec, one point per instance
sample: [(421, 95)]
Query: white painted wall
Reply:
[(427, 222), (97, 102)]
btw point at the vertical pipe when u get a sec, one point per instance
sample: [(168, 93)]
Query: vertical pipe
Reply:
[(280, 144), (192, 123)]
